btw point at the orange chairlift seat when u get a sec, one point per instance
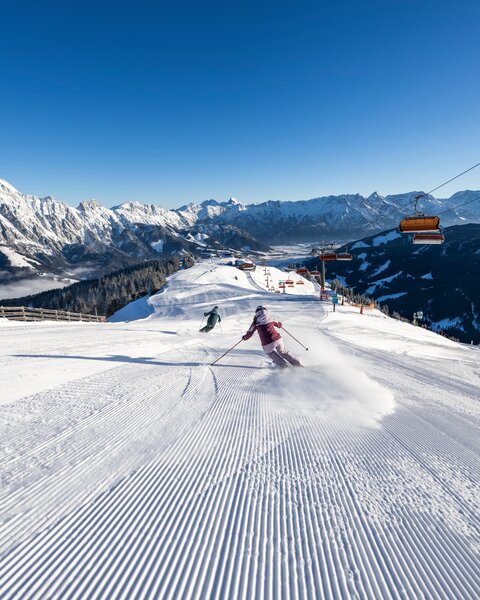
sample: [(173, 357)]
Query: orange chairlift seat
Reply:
[(419, 222), (302, 271), (300, 282), (328, 255), (428, 238), (315, 273), (289, 282)]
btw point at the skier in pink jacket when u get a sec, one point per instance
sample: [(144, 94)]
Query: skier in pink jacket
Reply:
[(270, 339)]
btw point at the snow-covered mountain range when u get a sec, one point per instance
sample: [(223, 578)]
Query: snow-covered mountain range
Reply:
[(330, 218), (43, 233)]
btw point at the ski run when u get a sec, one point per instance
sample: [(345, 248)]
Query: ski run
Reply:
[(132, 468)]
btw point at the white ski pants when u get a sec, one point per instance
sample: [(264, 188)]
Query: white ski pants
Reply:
[(276, 351)]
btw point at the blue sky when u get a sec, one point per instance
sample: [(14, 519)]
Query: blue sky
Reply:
[(174, 102)]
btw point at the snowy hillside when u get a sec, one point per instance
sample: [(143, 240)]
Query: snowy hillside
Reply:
[(132, 468), (441, 281)]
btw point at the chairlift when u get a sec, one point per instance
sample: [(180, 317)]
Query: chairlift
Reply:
[(300, 282), (428, 238), (289, 282), (344, 256), (419, 222), (315, 273), (328, 255), (302, 271)]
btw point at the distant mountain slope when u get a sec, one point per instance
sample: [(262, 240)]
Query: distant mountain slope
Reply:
[(42, 234), (442, 281), (38, 234), (344, 217)]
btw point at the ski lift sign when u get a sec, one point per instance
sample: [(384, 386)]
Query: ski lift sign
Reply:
[(334, 299)]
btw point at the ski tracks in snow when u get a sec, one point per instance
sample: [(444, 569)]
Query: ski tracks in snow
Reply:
[(241, 492), (76, 440)]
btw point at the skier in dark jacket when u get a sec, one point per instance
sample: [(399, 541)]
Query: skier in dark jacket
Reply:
[(213, 318), (270, 339)]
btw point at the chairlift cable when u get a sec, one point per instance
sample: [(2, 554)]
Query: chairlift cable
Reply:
[(403, 207), (458, 206), (456, 177)]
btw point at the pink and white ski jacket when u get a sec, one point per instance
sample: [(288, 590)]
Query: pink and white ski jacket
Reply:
[(265, 326)]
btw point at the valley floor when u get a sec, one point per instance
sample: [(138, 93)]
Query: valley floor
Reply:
[(132, 468)]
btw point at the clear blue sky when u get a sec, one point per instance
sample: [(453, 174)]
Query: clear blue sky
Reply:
[(173, 102)]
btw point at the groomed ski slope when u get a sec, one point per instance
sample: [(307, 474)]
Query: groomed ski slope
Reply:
[(131, 468)]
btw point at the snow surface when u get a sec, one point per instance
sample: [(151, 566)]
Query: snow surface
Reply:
[(379, 240), (370, 290), (132, 468), (158, 246), (446, 323), (16, 259), (391, 296), (357, 245), (380, 269)]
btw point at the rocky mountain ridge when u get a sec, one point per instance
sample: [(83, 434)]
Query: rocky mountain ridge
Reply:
[(45, 234)]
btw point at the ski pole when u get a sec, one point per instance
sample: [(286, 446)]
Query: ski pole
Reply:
[(221, 328), (294, 338), (226, 353), (201, 323)]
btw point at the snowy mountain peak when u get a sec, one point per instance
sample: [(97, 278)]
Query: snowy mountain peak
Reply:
[(132, 205), (210, 202), (88, 204), (8, 187)]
